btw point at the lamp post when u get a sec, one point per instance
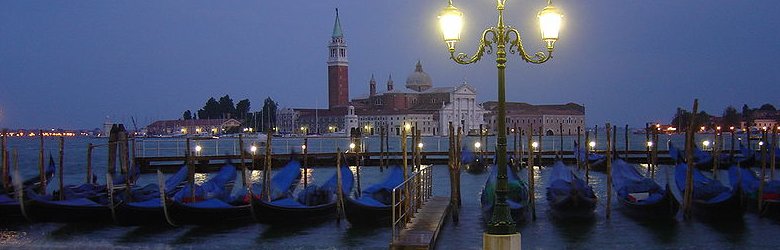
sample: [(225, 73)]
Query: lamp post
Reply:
[(451, 22)]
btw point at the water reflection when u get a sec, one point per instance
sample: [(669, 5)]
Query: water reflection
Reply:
[(664, 230), (574, 231)]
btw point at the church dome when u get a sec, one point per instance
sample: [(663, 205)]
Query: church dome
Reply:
[(419, 80)]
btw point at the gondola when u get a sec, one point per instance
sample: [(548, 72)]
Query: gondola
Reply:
[(597, 162), (749, 183), (641, 196), (223, 208), (88, 202), (373, 205), (10, 209), (569, 196), (703, 160), (516, 197), (209, 203), (475, 163), (711, 199), (315, 203), (145, 206)]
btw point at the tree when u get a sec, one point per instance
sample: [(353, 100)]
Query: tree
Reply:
[(731, 117), (242, 108), (683, 118), (268, 118), (767, 107), (187, 115), (226, 107), (211, 110)]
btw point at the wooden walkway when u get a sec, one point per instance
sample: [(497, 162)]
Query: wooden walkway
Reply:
[(422, 231)]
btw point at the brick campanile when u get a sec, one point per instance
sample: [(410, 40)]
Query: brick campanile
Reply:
[(338, 68)]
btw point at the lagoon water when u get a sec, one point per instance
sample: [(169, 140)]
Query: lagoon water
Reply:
[(618, 232)]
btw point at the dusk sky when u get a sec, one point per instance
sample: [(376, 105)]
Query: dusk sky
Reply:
[(69, 64)]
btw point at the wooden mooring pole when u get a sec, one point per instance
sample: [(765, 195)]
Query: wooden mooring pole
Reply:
[(305, 149), (381, 148), (575, 149), (4, 163), (609, 172), (458, 160), (587, 156), (241, 162), (452, 167), (688, 194), (267, 169), (61, 168), (530, 170), (763, 149), (626, 148), (89, 163), (41, 173), (648, 149), (774, 153), (654, 154)]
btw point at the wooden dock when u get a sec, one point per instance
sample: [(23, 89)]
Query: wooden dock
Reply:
[(170, 164), (421, 232)]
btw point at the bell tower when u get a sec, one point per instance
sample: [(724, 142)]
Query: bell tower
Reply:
[(338, 68)]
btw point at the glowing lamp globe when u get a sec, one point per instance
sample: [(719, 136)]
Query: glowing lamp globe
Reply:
[(550, 21), (451, 23)]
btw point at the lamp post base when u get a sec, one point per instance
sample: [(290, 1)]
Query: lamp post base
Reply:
[(503, 241)]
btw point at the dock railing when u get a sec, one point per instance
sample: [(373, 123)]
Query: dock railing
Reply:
[(409, 196)]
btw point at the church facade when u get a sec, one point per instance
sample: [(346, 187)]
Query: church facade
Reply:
[(418, 104)]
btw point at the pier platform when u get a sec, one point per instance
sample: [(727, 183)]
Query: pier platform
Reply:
[(150, 164), (422, 231)]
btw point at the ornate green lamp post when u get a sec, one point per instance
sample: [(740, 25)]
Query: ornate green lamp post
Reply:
[(501, 35)]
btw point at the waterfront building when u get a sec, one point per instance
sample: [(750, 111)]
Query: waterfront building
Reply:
[(420, 105), (199, 126), (549, 117)]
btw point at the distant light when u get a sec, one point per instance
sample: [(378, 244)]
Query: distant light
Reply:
[(705, 143), (198, 148), (477, 145), (649, 144), (702, 128), (731, 128), (253, 149), (535, 144), (761, 143), (420, 145), (764, 128), (592, 144), (407, 126), (718, 127), (352, 145), (303, 146)]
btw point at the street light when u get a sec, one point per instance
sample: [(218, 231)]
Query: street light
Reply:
[(706, 144), (500, 36), (198, 148), (649, 144), (420, 145), (477, 145), (592, 144)]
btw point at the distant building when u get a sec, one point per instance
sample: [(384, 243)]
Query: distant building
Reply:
[(549, 117), (199, 126), (419, 105)]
